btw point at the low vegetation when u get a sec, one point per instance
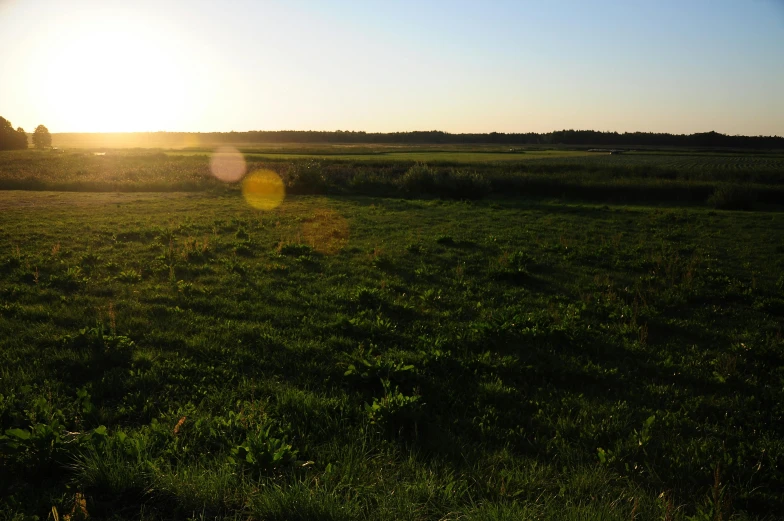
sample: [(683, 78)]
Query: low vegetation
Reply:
[(182, 356), (740, 181)]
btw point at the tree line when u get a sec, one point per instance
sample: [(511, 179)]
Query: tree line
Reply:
[(587, 138), (11, 139), (560, 137)]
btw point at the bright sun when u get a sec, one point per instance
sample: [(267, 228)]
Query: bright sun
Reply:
[(109, 73)]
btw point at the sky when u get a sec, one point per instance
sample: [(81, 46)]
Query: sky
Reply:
[(495, 66)]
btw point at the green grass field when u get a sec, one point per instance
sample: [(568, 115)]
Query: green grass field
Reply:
[(449, 156), (729, 181), (180, 355)]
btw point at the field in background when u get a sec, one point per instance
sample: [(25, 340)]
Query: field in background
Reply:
[(725, 181), (484, 340), (439, 155)]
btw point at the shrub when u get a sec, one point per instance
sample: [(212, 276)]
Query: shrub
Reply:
[(421, 179), (733, 197), (469, 185), (306, 178)]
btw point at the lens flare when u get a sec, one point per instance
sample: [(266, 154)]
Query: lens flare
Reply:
[(227, 164), (327, 232), (263, 189)]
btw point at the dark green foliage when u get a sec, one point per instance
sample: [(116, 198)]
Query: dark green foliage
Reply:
[(395, 412), (733, 197), (11, 139), (680, 177), (242, 234), (511, 359), (261, 452), (306, 177), (421, 179)]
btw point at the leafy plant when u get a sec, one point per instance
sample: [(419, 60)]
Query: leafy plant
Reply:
[(129, 275), (262, 452), (368, 370), (396, 412), (73, 279), (106, 348)]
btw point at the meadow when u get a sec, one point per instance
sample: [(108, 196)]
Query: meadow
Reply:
[(542, 338), (724, 181)]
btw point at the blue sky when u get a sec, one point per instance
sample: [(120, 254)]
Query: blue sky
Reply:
[(688, 66)]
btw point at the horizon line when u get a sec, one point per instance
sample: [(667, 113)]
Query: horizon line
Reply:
[(432, 131)]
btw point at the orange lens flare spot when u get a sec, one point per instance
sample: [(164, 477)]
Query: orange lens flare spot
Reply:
[(263, 189), (326, 232), (228, 164)]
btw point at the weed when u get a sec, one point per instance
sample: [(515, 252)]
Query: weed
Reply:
[(396, 412), (129, 276), (261, 452)]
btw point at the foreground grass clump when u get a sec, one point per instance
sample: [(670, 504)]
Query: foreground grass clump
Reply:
[(176, 356)]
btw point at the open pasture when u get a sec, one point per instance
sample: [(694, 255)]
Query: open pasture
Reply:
[(185, 356)]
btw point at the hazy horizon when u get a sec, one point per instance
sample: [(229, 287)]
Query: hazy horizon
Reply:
[(512, 67), (390, 132)]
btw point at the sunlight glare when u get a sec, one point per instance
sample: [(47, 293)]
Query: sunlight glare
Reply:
[(263, 189), (228, 164), (112, 72)]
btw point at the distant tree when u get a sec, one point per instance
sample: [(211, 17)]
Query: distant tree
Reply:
[(22, 137), (41, 137), (11, 139)]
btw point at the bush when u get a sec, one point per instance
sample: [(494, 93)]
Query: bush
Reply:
[(306, 178), (469, 185), (421, 179), (733, 197)]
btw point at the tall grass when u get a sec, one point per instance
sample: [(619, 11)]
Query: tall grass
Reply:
[(576, 179)]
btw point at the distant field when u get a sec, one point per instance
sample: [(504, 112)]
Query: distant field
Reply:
[(184, 356), (690, 162), (434, 156), (739, 181)]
